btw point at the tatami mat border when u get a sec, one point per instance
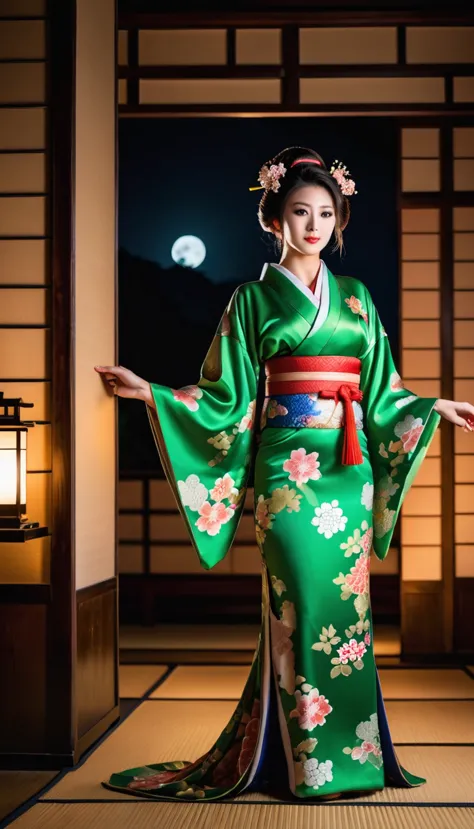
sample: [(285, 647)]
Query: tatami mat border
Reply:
[(333, 805)]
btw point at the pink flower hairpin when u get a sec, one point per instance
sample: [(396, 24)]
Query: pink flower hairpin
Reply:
[(340, 173), (269, 177)]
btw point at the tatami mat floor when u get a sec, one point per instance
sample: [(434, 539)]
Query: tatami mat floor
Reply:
[(176, 709)]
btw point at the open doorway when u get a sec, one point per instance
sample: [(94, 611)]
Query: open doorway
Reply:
[(190, 177)]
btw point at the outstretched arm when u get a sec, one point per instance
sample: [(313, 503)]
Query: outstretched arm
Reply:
[(125, 383), (461, 414)]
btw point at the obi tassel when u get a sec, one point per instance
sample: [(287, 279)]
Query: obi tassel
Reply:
[(351, 451)]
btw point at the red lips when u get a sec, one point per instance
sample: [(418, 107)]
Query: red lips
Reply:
[(312, 239)]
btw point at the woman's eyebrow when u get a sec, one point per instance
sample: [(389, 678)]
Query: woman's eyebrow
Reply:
[(308, 205)]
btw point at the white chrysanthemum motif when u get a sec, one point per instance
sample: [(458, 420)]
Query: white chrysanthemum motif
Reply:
[(367, 497), (369, 729), (316, 774), (404, 401), (329, 519), (193, 492)]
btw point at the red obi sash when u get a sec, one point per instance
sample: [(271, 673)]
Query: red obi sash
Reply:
[(331, 377)]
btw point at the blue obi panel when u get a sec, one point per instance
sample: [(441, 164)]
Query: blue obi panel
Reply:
[(307, 411)]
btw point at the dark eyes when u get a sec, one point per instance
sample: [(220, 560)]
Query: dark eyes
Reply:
[(325, 213)]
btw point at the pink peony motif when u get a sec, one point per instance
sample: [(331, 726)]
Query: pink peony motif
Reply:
[(366, 540), (212, 517), (351, 651), (311, 709), (223, 488), (302, 467), (189, 395), (358, 578), (362, 752), (411, 438), (367, 638)]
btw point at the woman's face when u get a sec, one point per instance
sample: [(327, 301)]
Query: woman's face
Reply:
[(308, 214)]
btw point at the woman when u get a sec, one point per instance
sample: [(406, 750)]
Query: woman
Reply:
[(341, 441)]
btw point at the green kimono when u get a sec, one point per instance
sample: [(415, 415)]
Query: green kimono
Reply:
[(311, 720)]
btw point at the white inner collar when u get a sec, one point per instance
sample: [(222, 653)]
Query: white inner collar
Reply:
[(322, 277), (321, 296)]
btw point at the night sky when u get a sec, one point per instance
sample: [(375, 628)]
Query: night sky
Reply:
[(182, 176)]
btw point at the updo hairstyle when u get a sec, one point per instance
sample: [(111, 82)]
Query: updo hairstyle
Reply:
[(272, 204)]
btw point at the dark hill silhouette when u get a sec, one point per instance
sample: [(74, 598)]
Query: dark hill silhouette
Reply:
[(167, 318)]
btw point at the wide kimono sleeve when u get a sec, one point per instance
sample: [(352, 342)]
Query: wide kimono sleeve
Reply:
[(399, 426), (204, 435)]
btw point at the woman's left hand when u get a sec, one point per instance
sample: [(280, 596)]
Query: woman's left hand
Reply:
[(461, 414)]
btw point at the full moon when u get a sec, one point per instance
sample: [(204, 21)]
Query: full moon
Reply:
[(188, 251)]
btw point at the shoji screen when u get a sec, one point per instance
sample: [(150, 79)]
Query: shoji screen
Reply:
[(463, 225), (24, 263), (421, 353)]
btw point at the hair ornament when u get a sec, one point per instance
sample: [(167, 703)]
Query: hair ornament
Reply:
[(270, 175), (340, 173)]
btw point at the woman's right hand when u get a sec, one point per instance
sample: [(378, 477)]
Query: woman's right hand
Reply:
[(125, 383)]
